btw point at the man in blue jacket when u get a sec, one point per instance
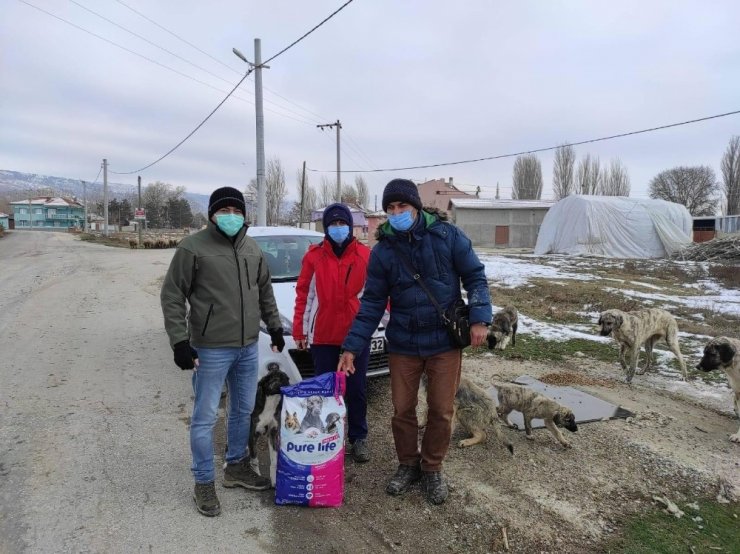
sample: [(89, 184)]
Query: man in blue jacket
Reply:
[(418, 341)]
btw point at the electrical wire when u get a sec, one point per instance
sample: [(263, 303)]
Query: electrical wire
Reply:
[(97, 176), (533, 151), (189, 135), (178, 37), (292, 44)]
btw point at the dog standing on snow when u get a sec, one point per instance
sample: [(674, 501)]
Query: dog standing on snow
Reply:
[(724, 353), (635, 329)]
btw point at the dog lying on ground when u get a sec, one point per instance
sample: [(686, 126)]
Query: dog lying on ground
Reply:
[(724, 353), (534, 405), (474, 411), (266, 418), (635, 329), (503, 327)]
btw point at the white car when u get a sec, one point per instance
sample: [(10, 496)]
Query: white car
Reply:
[(284, 248)]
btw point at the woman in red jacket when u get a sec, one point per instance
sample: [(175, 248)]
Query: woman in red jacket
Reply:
[(327, 299)]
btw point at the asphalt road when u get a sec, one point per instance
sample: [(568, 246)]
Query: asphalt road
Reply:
[(94, 454)]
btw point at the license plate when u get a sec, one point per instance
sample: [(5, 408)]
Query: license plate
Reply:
[(377, 344)]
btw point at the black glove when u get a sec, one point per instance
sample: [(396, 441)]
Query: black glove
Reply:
[(185, 355), (277, 338)]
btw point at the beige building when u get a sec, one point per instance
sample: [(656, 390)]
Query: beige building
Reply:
[(499, 223), (438, 193)]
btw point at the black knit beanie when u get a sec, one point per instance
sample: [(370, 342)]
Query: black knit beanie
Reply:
[(336, 212), (401, 190), (225, 197)]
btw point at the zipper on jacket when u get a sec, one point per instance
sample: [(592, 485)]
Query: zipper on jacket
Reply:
[(192, 280), (208, 318), (246, 267), (241, 292), (346, 279)]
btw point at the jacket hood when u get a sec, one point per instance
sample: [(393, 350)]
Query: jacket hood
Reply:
[(430, 214)]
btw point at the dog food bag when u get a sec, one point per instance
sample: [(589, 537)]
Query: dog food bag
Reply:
[(310, 465)]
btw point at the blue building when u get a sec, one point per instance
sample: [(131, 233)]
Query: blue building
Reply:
[(48, 212), (4, 221)]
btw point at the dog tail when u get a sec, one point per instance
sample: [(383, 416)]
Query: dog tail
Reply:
[(495, 425)]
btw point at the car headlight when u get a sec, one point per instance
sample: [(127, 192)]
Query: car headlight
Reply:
[(285, 323)]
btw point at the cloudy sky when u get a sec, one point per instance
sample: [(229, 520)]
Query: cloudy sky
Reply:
[(414, 83)]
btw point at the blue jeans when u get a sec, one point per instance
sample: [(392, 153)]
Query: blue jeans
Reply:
[(238, 367)]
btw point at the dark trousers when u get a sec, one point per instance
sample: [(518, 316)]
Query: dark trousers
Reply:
[(443, 378), (325, 359)]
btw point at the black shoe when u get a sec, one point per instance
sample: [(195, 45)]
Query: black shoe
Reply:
[(206, 500), (435, 487), (402, 480), (241, 474), (360, 451)]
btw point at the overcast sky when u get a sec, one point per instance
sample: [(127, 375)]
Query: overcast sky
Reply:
[(413, 82)]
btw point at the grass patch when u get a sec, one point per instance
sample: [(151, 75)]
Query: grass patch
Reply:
[(659, 533), (728, 275), (532, 347), (106, 241)]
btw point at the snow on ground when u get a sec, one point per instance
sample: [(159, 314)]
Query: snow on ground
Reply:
[(516, 272)]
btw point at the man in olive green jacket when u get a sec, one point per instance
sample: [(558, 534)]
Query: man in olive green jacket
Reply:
[(221, 275)]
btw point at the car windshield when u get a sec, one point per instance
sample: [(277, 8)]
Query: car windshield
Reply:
[(284, 254)]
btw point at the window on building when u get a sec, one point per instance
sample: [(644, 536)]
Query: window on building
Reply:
[(38, 211), (23, 211), (51, 212)]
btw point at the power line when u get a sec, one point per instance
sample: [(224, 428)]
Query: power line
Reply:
[(292, 44), (534, 151), (188, 136), (97, 176), (178, 37)]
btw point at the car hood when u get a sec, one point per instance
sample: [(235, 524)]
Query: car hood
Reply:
[(285, 299)]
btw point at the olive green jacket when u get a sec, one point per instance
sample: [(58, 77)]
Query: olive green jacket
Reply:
[(227, 286)]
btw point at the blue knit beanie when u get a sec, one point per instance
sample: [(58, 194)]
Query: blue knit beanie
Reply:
[(336, 212), (401, 190)]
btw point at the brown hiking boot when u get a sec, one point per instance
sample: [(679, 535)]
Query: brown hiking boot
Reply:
[(206, 500), (241, 474)]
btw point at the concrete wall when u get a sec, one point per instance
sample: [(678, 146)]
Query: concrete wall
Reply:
[(480, 225)]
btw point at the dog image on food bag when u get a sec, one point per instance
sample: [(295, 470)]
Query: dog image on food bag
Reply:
[(310, 465)]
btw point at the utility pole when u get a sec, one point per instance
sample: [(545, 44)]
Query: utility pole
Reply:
[(141, 221), (260, 124), (84, 199), (105, 196), (303, 195), (338, 125), (260, 119)]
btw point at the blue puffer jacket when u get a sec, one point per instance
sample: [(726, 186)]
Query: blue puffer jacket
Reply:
[(444, 257)]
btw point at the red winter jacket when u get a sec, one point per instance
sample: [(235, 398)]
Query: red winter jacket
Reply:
[(328, 292)]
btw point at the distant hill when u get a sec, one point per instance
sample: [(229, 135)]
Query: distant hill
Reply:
[(16, 186)]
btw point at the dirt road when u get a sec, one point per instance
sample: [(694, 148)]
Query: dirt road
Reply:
[(95, 456)]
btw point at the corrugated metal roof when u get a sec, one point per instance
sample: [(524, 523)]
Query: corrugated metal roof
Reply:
[(489, 204)]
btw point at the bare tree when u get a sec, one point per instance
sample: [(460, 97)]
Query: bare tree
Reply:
[(527, 178), (588, 175), (731, 175), (349, 194), (563, 172), (275, 190), (327, 190), (694, 187), (615, 181), (362, 190)]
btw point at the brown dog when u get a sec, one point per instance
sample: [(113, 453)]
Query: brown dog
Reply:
[(724, 353), (503, 327), (534, 405), (634, 329), (474, 411)]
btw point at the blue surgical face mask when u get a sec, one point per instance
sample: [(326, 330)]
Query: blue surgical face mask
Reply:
[(338, 233), (230, 223), (402, 221)]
